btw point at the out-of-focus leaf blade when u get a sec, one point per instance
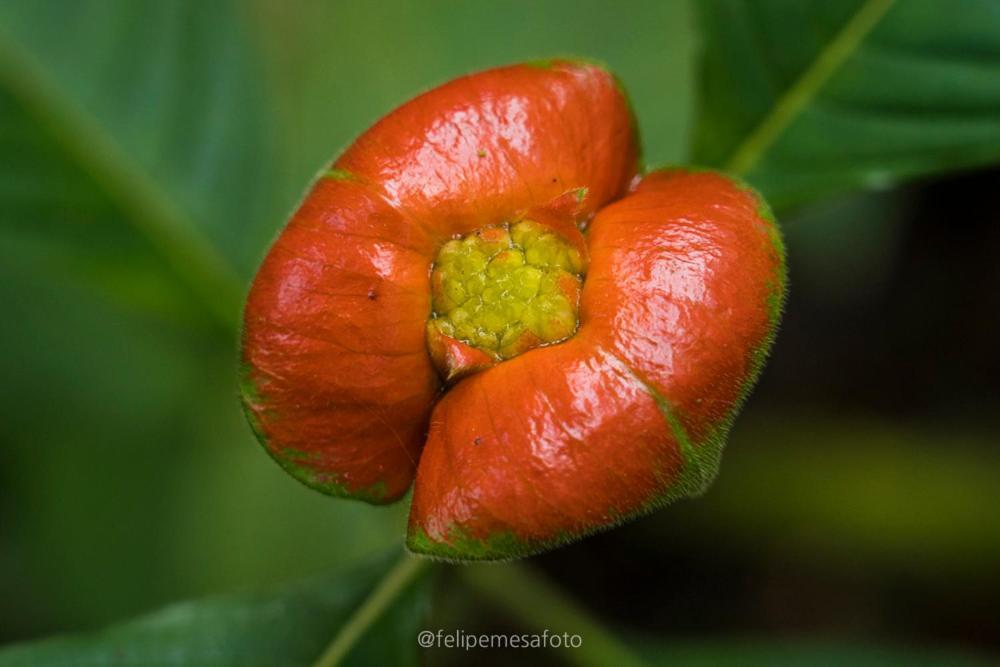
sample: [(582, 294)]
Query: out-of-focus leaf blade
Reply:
[(135, 148), (750, 653), (813, 98), (56, 222), (171, 497), (286, 627)]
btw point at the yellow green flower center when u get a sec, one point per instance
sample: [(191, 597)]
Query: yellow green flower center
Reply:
[(505, 289)]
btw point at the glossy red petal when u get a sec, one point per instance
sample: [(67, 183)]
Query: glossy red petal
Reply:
[(686, 284), (337, 380), (538, 450), (485, 148), (453, 358)]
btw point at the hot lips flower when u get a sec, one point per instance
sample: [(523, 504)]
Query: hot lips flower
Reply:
[(485, 295)]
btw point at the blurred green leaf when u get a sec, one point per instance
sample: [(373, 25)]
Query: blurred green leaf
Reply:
[(130, 478), (285, 627), (135, 148), (749, 653), (811, 98), (56, 222)]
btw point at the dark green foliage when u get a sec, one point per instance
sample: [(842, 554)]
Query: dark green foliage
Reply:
[(916, 94), (289, 626)]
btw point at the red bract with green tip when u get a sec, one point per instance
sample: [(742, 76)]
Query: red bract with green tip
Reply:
[(484, 295)]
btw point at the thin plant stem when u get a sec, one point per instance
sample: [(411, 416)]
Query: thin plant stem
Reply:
[(406, 570)]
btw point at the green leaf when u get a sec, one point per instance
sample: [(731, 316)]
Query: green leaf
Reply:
[(286, 627), (808, 99), (138, 424), (56, 222), (135, 149), (750, 653)]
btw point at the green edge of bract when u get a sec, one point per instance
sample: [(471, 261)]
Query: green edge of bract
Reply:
[(337, 174), (708, 453), (460, 546), (295, 462)]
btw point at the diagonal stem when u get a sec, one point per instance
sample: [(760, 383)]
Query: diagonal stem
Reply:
[(805, 88), (145, 205), (406, 570)]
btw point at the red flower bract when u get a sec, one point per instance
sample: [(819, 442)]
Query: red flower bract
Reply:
[(679, 303)]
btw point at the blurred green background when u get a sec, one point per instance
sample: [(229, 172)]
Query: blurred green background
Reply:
[(859, 494)]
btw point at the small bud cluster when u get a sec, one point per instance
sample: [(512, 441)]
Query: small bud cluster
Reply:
[(507, 288)]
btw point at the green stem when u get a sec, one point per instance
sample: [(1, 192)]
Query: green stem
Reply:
[(795, 99), (395, 581), (540, 604), (144, 204)]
